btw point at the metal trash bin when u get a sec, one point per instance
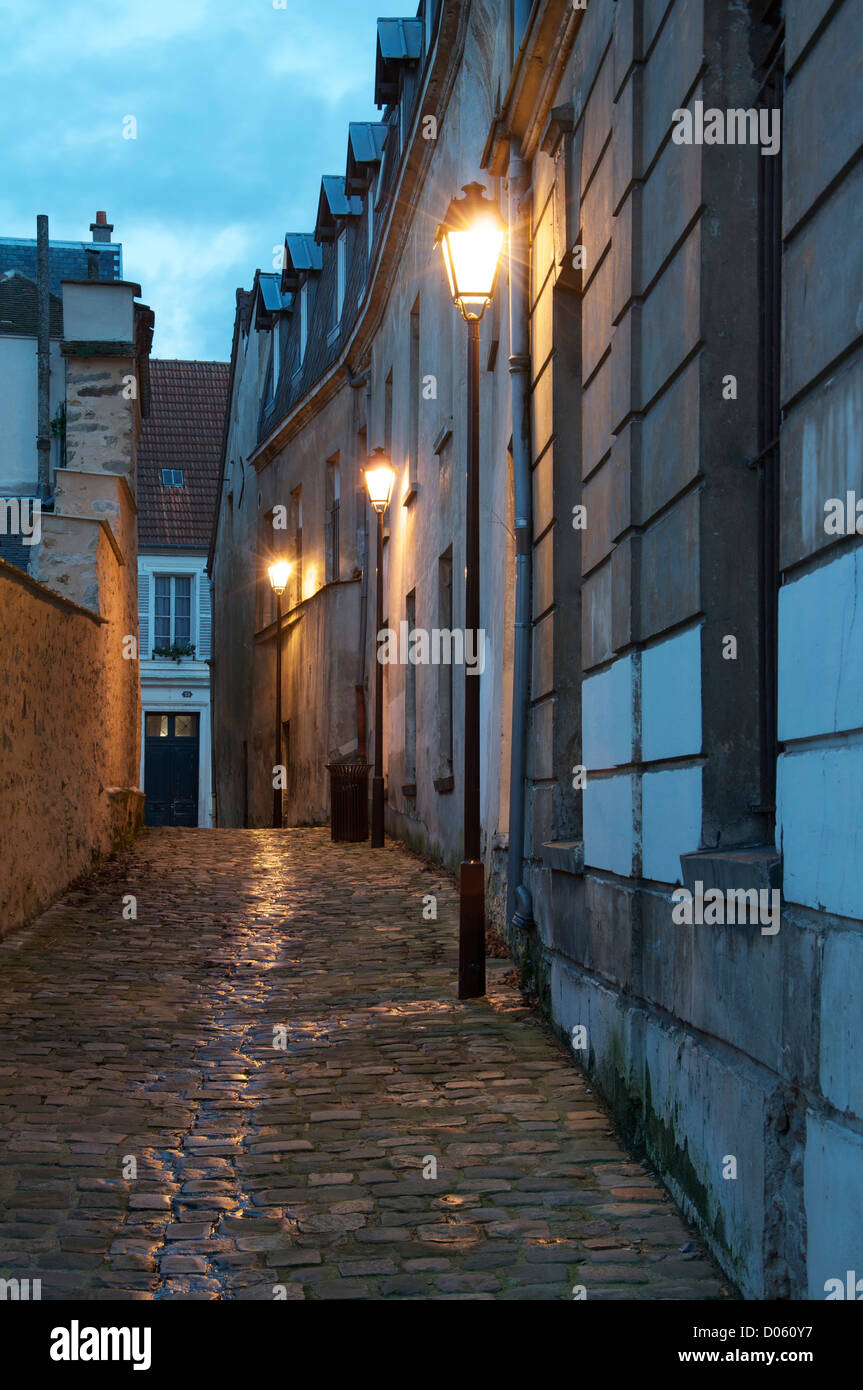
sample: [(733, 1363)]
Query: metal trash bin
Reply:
[(349, 801)]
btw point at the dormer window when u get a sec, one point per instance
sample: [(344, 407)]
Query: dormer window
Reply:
[(173, 477), (400, 44)]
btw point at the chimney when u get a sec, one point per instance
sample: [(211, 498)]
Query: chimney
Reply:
[(101, 228)]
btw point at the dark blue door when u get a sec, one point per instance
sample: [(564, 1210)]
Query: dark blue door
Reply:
[(171, 769)]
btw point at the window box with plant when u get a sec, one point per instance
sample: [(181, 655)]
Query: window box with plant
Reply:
[(176, 652)]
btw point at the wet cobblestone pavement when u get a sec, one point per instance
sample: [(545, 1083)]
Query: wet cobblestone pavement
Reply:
[(300, 1171)]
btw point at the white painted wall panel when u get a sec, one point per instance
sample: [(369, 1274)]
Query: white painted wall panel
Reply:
[(670, 821), (833, 1194), (671, 698), (608, 829), (841, 1054), (821, 650), (606, 716), (820, 827)]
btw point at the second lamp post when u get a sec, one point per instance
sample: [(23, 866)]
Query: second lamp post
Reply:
[(471, 237), (279, 573), (380, 476)]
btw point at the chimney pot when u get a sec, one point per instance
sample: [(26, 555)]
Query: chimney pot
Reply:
[(101, 228)]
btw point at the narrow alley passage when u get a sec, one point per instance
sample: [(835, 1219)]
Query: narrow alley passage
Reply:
[(262, 1086)]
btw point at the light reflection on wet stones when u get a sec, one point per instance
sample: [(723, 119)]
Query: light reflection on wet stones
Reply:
[(301, 1167)]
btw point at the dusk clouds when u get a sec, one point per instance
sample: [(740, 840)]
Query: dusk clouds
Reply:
[(239, 108)]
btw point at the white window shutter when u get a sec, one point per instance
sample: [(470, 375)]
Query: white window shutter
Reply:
[(205, 620), (143, 616)]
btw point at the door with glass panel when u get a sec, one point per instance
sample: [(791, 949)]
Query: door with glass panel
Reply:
[(171, 769)]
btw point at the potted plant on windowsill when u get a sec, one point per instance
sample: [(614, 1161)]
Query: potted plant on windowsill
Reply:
[(175, 652)]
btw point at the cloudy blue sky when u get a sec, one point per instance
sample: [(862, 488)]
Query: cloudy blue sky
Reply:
[(240, 108)]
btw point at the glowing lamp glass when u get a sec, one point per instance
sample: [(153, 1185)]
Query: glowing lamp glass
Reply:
[(471, 240), (280, 573), (380, 478)]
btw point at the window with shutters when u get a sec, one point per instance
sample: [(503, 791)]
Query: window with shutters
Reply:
[(172, 611), (144, 614), (204, 649)]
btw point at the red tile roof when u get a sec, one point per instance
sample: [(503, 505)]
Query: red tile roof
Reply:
[(184, 430)]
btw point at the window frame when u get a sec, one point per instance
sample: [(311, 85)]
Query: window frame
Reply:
[(172, 640)]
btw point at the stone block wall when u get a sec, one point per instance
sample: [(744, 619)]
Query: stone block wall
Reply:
[(713, 1042), (69, 682), (67, 787)]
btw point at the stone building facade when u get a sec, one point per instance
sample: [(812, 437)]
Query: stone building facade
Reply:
[(69, 696), (178, 476), (671, 700)]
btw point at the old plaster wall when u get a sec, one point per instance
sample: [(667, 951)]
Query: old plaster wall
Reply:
[(69, 688), (65, 783)]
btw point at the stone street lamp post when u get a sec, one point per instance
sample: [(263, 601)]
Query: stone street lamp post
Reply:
[(380, 477), (279, 573), (471, 239)]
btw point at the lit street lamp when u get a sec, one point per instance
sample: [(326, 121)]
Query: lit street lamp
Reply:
[(279, 573), (471, 239), (380, 477)]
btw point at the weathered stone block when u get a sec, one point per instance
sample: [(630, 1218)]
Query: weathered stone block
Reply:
[(802, 18), (596, 419), (823, 112), (597, 539), (596, 319), (671, 319), (841, 1064), (543, 574), (670, 72), (833, 1194), (670, 199), (819, 264), (670, 443), (598, 117), (596, 614), (670, 568), (820, 459)]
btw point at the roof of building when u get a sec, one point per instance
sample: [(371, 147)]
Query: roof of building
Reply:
[(334, 205), (19, 310), (366, 141), (67, 260), (302, 254), (184, 431), (399, 41), (268, 299)]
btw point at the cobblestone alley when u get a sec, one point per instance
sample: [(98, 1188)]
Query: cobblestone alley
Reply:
[(302, 1171)]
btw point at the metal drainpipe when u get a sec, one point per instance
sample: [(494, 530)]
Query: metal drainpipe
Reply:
[(362, 717), (43, 357), (519, 902)]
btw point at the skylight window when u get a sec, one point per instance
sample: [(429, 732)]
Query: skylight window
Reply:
[(172, 477)]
